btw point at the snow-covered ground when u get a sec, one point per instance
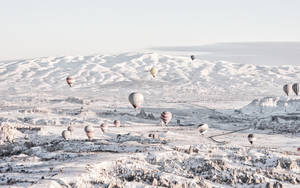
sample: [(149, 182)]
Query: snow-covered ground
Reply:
[(37, 102)]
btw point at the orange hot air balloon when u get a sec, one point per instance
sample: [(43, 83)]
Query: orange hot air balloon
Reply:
[(166, 117), (117, 123), (69, 81)]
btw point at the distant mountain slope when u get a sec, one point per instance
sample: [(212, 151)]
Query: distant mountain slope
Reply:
[(258, 53), (179, 78)]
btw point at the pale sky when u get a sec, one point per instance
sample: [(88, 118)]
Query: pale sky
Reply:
[(35, 28)]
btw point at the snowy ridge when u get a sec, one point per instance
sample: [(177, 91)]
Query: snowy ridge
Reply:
[(188, 80), (273, 105)]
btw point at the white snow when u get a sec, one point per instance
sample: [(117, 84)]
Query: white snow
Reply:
[(37, 103), (273, 105)]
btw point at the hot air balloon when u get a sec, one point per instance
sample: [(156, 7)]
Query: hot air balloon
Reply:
[(90, 135), (104, 127), (117, 123), (251, 138), (166, 117), (287, 88), (203, 128), (296, 88), (153, 71), (70, 128), (136, 99), (69, 81), (89, 130), (192, 57), (298, 149), (66, 134)]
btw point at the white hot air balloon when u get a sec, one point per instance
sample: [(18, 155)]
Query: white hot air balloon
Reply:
[(66, 134), (153, 71), (104, 127), (251, 138), (287, 88), (117, 123), (296, 88), (89, 128), (90, 135), (69, 81), (203, 128), (166, 117), (136, 99)]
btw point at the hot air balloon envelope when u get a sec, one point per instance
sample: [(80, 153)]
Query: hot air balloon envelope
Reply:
[(89, 128), (296, 88), (153, 71), (136, 99), (166, 117), (66, 134), (69, 81), (287, 88), (203, 128)]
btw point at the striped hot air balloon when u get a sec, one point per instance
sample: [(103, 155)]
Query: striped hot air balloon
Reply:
[(66, 134), (136, 99), (203, 128), (69, 81), (251, 138), (166, 117), (117, 123), (153, 71), (104, 127), (296, 88), (287, 88)]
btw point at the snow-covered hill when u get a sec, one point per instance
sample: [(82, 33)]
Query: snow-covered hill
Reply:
[(36, 105), (179, 78)]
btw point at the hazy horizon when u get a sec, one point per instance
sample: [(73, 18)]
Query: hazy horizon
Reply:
[(54, 28)]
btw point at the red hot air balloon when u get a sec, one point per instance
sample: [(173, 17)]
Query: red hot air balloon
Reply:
[(166, 117), (69, 81)]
